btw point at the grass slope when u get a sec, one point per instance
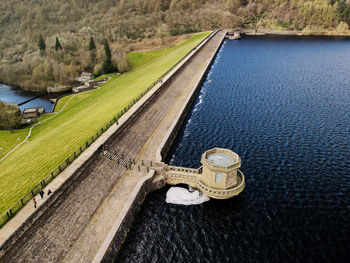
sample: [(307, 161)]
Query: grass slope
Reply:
[(54, 140), (10, 138)]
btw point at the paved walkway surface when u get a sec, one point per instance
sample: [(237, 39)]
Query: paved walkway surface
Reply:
[(75, 226)]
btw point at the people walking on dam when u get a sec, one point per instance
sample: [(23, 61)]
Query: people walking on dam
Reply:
[(34, 201), (41, 193), (49, 192)]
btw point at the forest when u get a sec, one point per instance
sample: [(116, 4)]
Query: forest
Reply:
[(67, 27)]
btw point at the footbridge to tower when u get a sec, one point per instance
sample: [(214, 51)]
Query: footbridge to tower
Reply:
[(96, 198), (218, 177)]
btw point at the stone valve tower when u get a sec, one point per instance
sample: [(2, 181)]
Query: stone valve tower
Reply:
[(219, 176)]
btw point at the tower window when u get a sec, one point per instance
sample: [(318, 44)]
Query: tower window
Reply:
[(218, 177)]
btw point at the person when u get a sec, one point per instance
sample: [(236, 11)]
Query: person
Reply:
[(41, 193), (34, 202), (49, 192)]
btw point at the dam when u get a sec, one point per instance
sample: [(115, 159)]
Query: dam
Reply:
[(88, 217)]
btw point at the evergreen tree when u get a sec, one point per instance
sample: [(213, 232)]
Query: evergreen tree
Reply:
[(92, 45), (107, 50), (42, 45), (107, 66), (58, 44), (92, 48)]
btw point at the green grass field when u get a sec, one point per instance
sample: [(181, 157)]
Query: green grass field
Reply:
[(10, 138), (57, 138)]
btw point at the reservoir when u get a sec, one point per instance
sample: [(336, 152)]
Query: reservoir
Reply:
[(282, 104), (15, 95)]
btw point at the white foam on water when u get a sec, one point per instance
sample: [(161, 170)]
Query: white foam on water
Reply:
[(199, 102), (181, 196)]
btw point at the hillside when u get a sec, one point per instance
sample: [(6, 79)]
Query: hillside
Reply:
[(122, 22)]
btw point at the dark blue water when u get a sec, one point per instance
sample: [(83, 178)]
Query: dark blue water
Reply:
[(283, 105), (16, 95)]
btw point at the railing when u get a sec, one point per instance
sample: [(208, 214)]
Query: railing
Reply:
[(25, 199), (182, 169), (150, 164), (119, 159), (181, 174), (183, 178)]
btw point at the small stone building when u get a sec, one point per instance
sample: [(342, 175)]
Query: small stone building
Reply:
[(234, 34), (33, 113)]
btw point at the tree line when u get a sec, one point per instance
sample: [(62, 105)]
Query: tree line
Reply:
[(66, 28), (58, 63), (107, 67)]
